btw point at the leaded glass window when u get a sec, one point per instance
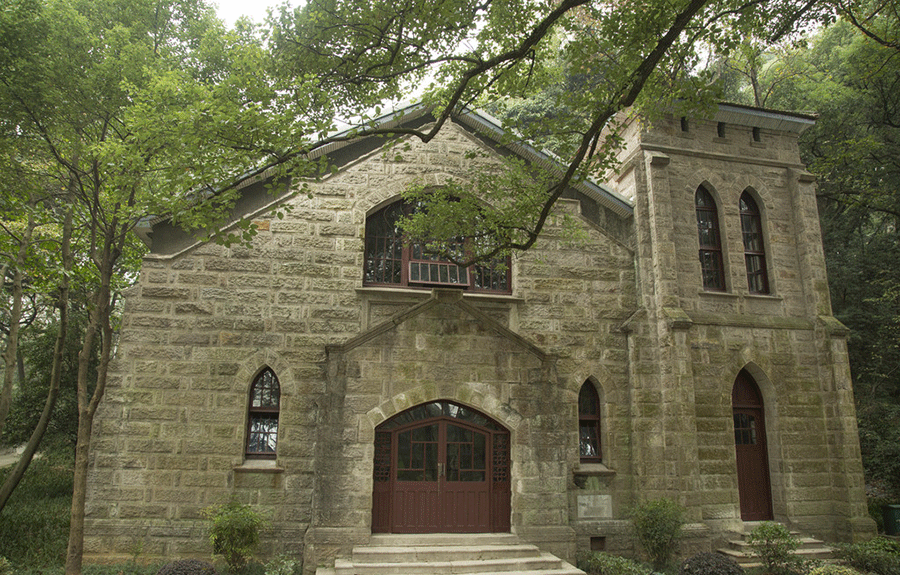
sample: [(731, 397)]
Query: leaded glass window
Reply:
[(262, 421), (754, 248), (589, 424), (391, 261), (711, 268)]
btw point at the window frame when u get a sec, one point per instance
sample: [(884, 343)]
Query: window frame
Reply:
[(751, 215), (268, 378), (395, 268), (588, 420), (712, 277)]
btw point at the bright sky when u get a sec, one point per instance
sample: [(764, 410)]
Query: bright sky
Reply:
[(231, 10)]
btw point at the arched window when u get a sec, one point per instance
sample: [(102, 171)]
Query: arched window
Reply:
[(754, 250), (711, 268), (589, 424), (262, 420), (391, 261)]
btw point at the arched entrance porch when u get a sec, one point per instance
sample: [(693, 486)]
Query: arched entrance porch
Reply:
[(441, 467)]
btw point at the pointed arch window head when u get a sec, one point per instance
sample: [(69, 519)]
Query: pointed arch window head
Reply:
[(589, 424), (754, 248), (392, 261), (711, 267), (262, 420)]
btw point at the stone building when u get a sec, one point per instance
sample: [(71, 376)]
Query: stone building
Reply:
[(346, 384)]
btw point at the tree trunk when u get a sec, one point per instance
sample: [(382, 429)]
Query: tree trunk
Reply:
[(99, 321), (37, 435), (15, 315)]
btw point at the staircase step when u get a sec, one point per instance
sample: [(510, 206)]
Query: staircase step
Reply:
[(422, 553), (740, 550), (566, 569), (543, 562), (449, 553), (430, 539)]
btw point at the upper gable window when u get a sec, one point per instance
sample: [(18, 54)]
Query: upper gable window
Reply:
[(754, 249), (392, 261), (711, 267), (262, 421), (589, 424)]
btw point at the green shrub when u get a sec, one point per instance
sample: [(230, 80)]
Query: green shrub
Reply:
[(598, 563), (657, 525), (775, 546), (6, 567), (234, 532), (127, 568), (710, 564), (187, 567), (880, 556), (832, 569), (874, 506), (284, 565)]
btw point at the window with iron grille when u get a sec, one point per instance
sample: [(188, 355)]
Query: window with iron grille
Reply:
[(262, 420), (390, 260), (589, 424), (711, 267), (754, 248)]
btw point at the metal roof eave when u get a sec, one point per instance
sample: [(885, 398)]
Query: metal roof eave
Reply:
[(489, 126), (750, 116)]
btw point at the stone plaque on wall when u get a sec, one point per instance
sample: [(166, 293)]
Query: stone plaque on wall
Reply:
[(594, 507)]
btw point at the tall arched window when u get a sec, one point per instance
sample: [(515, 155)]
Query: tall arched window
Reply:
[(262, 419), (711, 268), (754, 249), (589, 424), (391, 261)]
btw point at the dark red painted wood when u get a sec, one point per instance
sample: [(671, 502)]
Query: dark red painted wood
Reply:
[(464, 489), (754, 487)]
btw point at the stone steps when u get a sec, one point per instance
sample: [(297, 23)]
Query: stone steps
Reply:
[(739, 549), (444, 553)]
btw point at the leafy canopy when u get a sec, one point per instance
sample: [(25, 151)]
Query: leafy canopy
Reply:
[(643, 55)]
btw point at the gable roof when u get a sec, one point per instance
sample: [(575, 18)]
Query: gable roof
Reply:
[(163, 238)]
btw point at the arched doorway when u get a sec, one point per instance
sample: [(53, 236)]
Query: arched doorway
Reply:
[(441, 467), (750, 447)]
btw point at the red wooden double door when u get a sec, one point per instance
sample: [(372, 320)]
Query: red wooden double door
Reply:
[(441, 468)]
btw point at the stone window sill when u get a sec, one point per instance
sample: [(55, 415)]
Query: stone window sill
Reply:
[(259, 466), (594, 469), (750, 296), (764, 297), (726, 294), (425, 293)]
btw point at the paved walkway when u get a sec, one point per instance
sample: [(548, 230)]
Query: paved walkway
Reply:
[(11, 456)]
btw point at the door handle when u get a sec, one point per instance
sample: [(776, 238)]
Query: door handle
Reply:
[(440, 469)]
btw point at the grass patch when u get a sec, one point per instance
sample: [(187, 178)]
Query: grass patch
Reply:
[(34, 525)]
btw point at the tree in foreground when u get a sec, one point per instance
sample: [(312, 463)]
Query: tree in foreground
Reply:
[(128, 108), (646, 56)]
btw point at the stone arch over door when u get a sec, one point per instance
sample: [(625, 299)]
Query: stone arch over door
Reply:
[(751, 451), (441, 467)]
